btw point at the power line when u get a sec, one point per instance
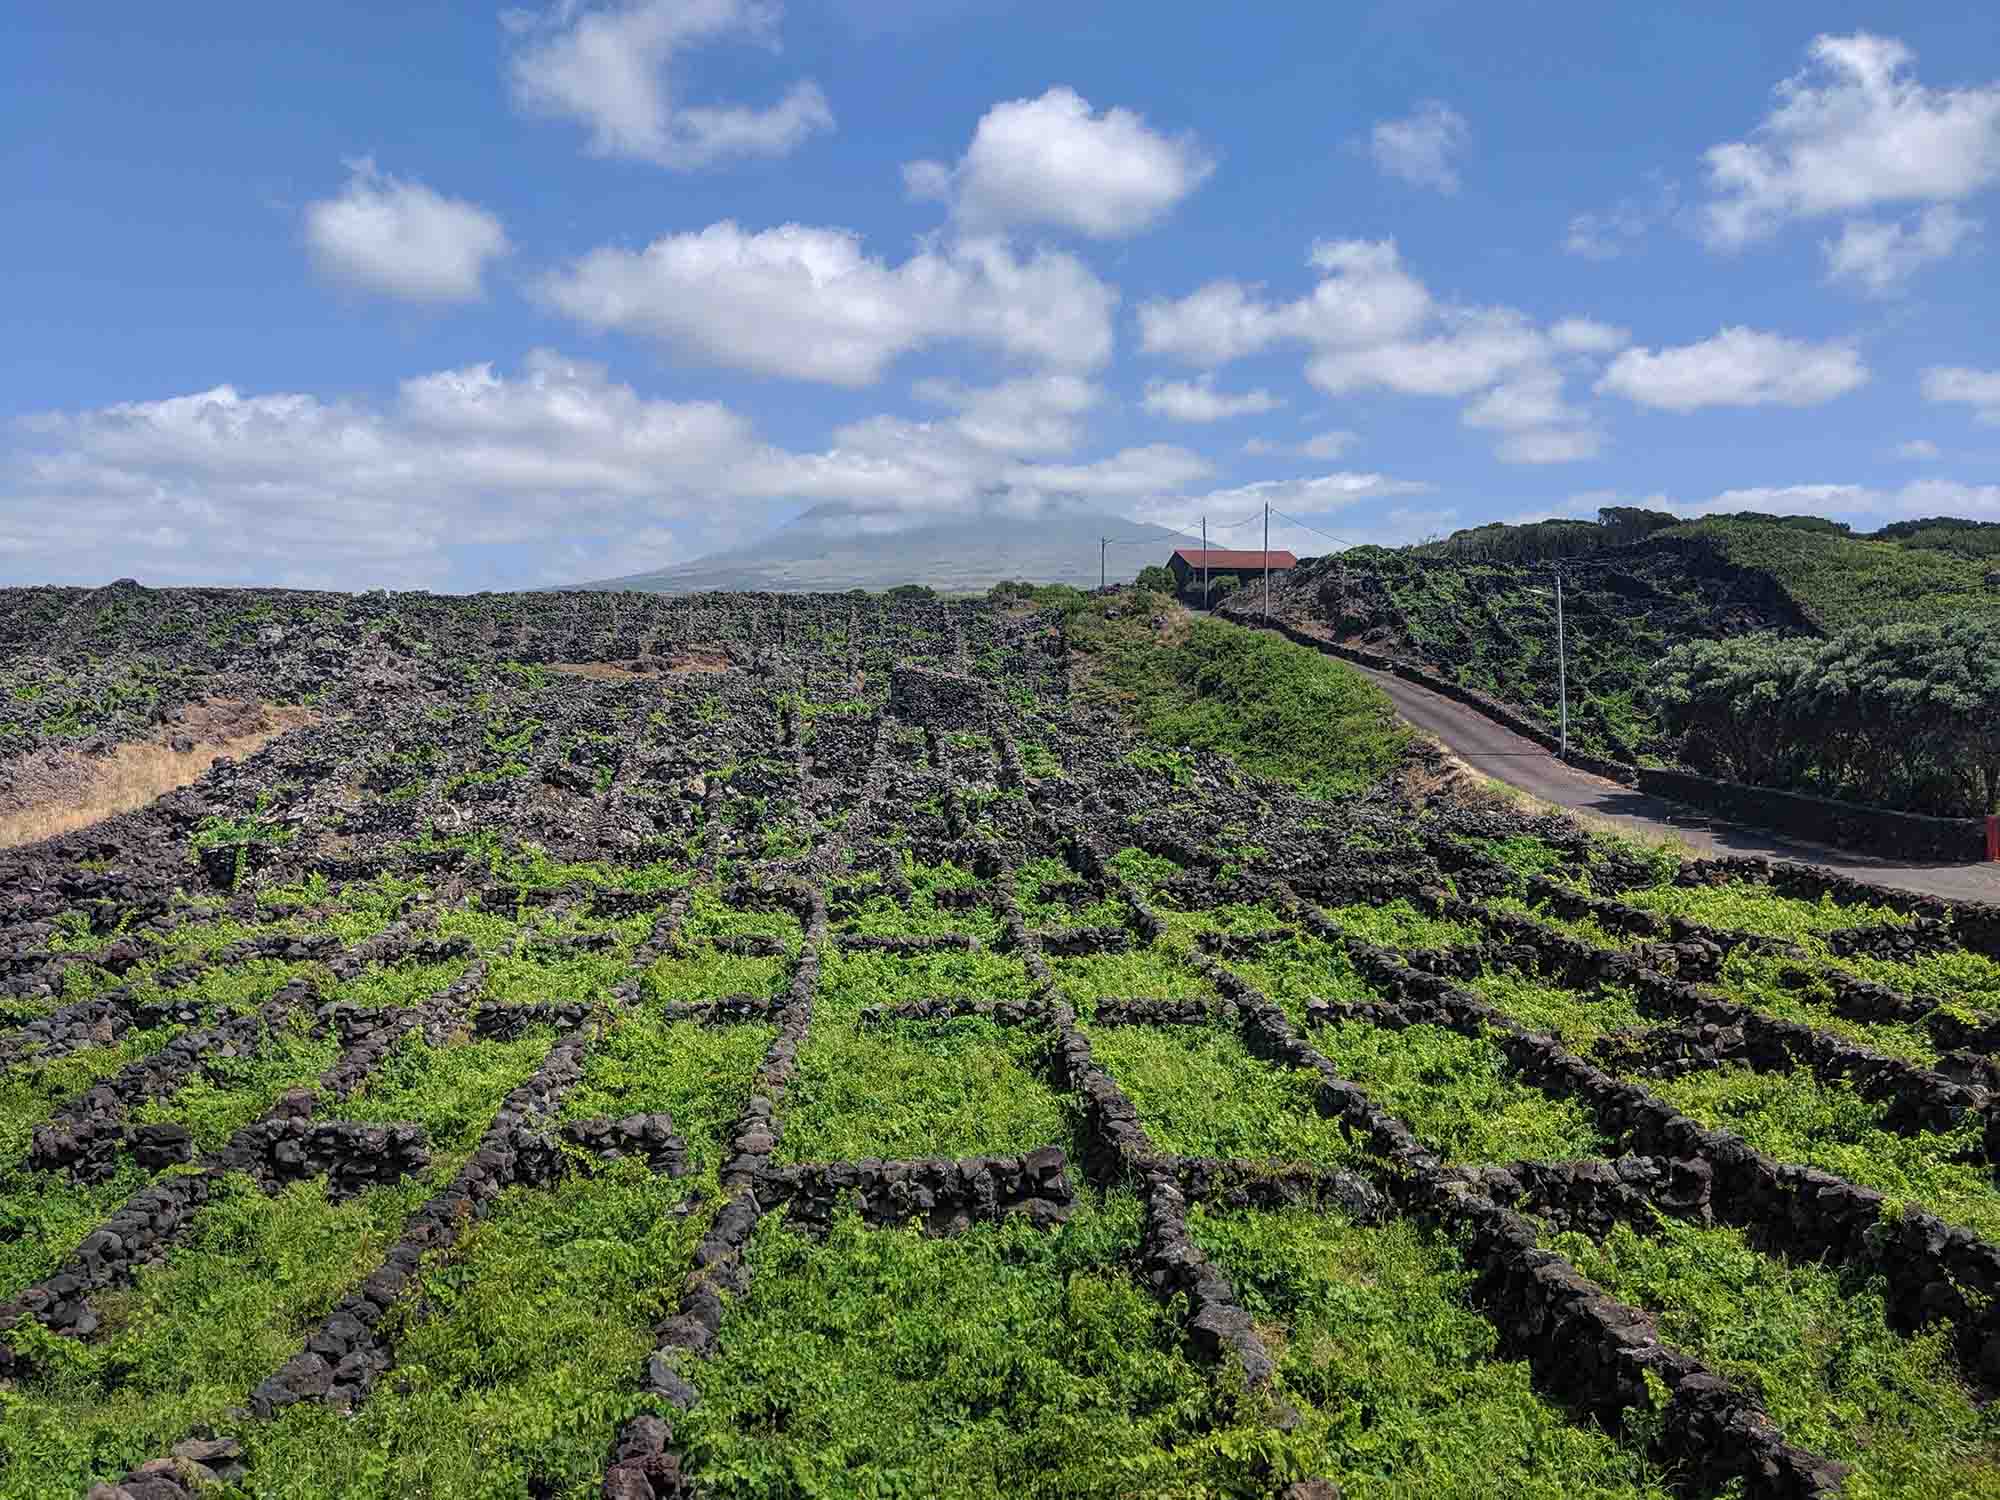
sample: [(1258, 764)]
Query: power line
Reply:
[(1344, 541)]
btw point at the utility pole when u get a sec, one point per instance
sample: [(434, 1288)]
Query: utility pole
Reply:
[(1267, 564), (1101, 543), (1204, 562), (1562, 665)]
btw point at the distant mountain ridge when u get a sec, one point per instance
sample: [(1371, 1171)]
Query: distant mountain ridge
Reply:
[(830, 548)]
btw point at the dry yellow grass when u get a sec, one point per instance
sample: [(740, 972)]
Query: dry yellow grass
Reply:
[(131, 776)]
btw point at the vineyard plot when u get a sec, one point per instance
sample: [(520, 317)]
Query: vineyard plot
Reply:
[(849, 1069)]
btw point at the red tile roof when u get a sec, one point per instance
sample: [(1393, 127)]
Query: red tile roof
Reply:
[(1233, 562)]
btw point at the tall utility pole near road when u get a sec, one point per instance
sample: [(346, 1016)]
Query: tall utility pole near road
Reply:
[(1102, 543), (1267, 562), (1562, 664), (1204, 562)]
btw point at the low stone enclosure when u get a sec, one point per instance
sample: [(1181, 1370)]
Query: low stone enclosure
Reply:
[(799, 963)]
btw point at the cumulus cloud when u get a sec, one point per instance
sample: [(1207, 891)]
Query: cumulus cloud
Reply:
[(1587, 336), (1420, 147), (1036, 414), (1978, 389), (1737, 367), (607, 67), (1199, 401), (1329, 508), (809, 304), (1852, 131), (1369, 324), (228, 487), (401, 239), (1365, 296), (1054, 161), (1879, 255)]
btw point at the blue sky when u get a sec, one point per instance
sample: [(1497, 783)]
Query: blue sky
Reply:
[(442, 296)]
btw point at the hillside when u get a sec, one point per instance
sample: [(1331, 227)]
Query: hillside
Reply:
[(832, 548), (1479, 607), (769, 1067)]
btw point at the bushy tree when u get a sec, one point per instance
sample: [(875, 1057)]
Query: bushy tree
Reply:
[(1898, 715), (1155, 577)]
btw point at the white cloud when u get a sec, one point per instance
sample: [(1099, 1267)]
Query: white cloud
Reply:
[(384, 234), (1364, 297), (1737, 367), (1557, 445), (1199, 401), (1054, 161), (1324, 503), (223, 486), (1851, 131), (607, 67), (1880, 254), (1587, 336), (1475, 348), (1036, 414), (1867, 506), (1327, 445), (1419, 148), (1369, 324), (1979, 389), (806, 302), (1608, 235), (1922, 449)]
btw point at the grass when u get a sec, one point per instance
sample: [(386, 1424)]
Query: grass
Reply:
[(1001, 1361), (698, 1074), (1280, 710), (1400, 1383), (1813, 1345), (1456, 1092), (517, 1364), (1577, 1018), (1154, 972), (848, 981), (907, 1089), (700, 973), (1795, 1118), (452, 1091), (1199, 1092), (189, 1341), (1758, 908)]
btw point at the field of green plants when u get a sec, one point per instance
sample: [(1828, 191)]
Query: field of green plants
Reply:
[(866, 1068)]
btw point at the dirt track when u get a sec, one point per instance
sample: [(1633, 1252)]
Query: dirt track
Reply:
[(1505, 756)]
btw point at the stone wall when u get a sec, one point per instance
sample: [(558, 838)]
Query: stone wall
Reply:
[(1846, 825)]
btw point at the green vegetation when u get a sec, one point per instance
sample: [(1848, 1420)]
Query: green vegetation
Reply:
[(1281, 710), (1795, 1118), (1479, 608), (906, 1089), (186, 1343), (1199, 1092), (1001, 1361), (849, 981), (1457, 1094), (1902, 715), (1814, 1347), (1400, 1383), (515, 1364)]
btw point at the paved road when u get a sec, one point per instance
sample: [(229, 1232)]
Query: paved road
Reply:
[(1500, 753)]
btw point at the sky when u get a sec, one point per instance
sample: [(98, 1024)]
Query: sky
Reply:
[(443, 296)]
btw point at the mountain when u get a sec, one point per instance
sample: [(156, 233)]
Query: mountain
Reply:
[(831, 548)]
